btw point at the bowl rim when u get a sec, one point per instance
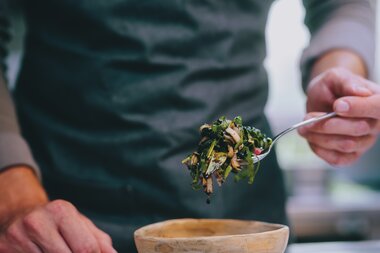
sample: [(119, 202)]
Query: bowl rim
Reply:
[(138, 233)]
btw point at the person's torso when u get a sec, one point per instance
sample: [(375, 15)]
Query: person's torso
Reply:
[(111, 95)]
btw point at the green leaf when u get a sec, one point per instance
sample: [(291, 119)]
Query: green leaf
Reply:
[(211, 149), (187, 159), (238, 121), (227, 171)]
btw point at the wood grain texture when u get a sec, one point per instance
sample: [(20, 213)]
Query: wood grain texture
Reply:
[(212, 236)]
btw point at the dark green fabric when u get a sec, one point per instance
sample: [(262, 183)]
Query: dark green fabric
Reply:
[(111, 95)]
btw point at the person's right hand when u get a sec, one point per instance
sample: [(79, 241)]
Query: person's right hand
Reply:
[(56, 227), (342, 140)]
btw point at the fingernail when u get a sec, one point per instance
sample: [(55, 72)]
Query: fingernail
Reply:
[(114, 251), (342, 106)]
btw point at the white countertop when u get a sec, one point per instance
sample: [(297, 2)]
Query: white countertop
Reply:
[(336, 247)]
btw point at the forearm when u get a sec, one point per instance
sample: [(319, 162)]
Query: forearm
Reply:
[(339, 58), (20, 191), (14, 150), (342, 34)]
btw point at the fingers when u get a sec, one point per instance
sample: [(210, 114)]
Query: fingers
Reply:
[(340, 143), (363, 107), (15, 240), (104, 240), (42, 231), (339, 140), (72, 228), (342, 82), (80, 234), (54, 228), (335, 83), (33, 233), (335, 158), (341, 126)]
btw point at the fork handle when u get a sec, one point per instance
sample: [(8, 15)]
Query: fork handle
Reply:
[(313, 120), (304, 123)]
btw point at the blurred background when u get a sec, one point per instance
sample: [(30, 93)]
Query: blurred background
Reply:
[(325, 203)]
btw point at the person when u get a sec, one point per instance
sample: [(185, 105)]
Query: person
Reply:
[(110, 96)]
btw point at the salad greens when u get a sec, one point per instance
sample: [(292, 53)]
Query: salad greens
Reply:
[(226, 146)]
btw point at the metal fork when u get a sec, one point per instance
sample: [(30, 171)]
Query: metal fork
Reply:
[(257, 158)]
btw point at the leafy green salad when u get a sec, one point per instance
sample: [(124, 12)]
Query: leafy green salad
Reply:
[(226, 146)]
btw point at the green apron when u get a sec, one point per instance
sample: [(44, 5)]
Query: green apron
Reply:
[(111, 95)]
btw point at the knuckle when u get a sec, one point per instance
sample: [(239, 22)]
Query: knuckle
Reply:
[(60, 207), (107, 238), (12, 235), (32, 222), (87, 248), (341, 76), (334, 73)]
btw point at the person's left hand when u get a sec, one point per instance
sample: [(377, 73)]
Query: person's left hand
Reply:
[(342, 140)]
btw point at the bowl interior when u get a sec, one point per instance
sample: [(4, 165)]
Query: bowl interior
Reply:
[(188, 228)]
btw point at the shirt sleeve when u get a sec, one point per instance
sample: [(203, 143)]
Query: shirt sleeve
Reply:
[(339, 24), (13, 148)]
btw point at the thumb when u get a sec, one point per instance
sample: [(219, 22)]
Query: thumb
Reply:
[(358, 107)]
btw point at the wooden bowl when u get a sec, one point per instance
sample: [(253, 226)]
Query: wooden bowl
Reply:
[(212, 235)]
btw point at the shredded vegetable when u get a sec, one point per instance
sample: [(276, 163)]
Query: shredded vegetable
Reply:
[(226, 147)]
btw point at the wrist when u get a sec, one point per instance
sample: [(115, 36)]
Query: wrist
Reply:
[(339, 58), (20, 191)]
